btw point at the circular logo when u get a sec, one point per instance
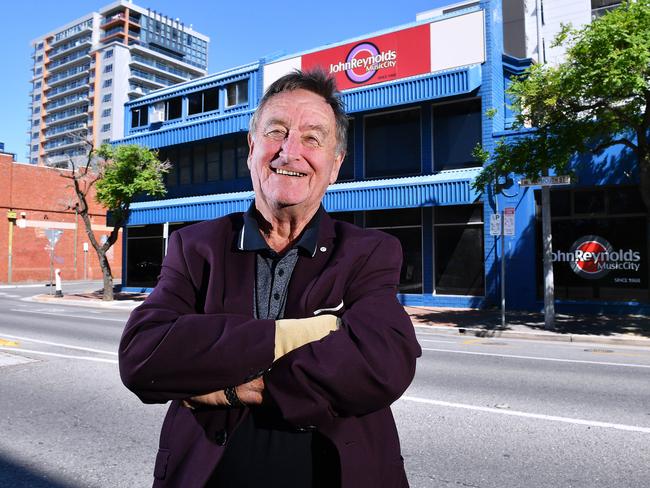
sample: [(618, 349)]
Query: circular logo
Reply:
[(360, 73), (591, 254)]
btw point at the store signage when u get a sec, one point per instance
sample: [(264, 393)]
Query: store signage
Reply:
[(547, 181), (593, 257), (383, 58)]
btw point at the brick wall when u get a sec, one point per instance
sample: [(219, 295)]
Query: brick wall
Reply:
[(41, 198)]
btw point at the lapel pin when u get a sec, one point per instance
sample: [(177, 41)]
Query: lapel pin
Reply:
[(323, 249)]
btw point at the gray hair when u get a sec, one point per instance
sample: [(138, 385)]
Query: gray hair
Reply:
[(315, 81)]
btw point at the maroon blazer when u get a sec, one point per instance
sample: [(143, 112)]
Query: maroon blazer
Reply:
[(195, 334)]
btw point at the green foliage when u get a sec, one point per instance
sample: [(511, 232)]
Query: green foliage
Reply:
[(597, 98), (125, 172)]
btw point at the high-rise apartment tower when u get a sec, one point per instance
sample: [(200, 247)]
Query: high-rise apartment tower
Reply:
[(85, 71)]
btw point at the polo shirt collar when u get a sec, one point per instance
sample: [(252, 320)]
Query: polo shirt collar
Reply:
[(250, 238)]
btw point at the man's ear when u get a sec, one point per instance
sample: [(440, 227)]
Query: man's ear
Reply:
[(251, 144), (338, 161)]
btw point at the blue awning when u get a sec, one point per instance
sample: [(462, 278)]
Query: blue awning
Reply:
[(445, 188)]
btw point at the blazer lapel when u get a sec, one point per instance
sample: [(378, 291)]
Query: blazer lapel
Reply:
[(308, 269)]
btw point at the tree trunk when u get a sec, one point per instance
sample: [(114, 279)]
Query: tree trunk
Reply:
[(107, 275), (547, 246)]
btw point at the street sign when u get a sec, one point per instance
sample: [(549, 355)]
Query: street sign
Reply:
[(53, 236), (509, 221), (547, 181), (495, 224)]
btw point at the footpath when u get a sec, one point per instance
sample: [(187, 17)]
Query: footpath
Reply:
[(633, 330)]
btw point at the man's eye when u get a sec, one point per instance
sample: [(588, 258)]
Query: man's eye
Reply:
[(313, 140), (276, 133)]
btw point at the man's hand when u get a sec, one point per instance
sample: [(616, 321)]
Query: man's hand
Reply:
[(250, 393)]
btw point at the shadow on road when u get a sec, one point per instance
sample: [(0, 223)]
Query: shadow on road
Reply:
[(15, 475), (602, 325)]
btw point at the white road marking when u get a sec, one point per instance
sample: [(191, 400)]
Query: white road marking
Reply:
[(68, 315), (579, 361), (58, 344), (516, 413), (53, 354), (8, 295), (431, 340)]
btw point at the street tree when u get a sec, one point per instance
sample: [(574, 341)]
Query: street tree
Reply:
[(598, 97), (118, 175)]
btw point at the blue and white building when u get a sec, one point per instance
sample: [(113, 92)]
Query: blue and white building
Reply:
[(417, 96)]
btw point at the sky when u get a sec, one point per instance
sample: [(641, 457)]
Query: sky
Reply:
[(240, 32)]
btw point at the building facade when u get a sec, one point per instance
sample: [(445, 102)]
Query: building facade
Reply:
[(40, 231), (420, 97), (85, 71)]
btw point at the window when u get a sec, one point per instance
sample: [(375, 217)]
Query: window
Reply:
[(108, 68), (35, 135), (237, 93), (108, 54), (37, 84), (37, 110), (37, 97), (106, 112), (172, 108), (601, 7), (35, 147), (39, 58), (406, 225), (139, 116), (39, 70), (185, 166), (458, 249), (36, 122), (108, 83), (106, 127), (203, 101), (610, 220), (145, 247), (34, 160), (107, 97), (456, 131), (346, 172), (392, 144)]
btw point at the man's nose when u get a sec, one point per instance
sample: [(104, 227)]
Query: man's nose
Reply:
[(291, 146)]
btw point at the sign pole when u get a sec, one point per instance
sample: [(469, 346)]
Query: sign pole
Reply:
[(503, 272)]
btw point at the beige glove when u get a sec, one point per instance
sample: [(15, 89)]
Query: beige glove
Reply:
[(290, 334)]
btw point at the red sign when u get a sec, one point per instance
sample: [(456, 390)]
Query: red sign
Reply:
[(383, 58)]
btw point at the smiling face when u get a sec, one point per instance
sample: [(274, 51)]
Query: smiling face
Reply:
[(293, 154)]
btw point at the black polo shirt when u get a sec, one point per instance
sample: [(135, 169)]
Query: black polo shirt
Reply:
[(265, 450)]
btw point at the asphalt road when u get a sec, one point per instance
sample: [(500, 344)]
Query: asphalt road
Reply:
[(480, 413)]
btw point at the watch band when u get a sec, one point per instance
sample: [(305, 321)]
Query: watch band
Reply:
[(232, 397)]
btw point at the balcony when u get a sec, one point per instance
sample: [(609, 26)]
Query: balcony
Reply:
[(67, 102), (68, 75), (113, 34), (113, 20), (72, 32), (136, 91), (153, 66), (68, 115), (69, 61), (150, 79), (67, 89), (144, 52), (62, 145), (66, 128), (69, 47)]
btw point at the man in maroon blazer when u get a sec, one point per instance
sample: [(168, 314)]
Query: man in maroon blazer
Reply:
[(276, 333)]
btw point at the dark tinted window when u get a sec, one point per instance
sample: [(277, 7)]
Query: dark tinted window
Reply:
[(456, 131), (392, 144)]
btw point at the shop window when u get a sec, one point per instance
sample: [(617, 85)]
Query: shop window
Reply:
[(203, 101), (198, 164), (185, 166), (456, 132), (607, 222), (406, 225), (213, 161), (392, 144), (139, 116), (237, 93), (458, 250), (242, 158), (145, 253), (346, 173)]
